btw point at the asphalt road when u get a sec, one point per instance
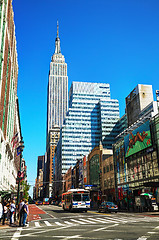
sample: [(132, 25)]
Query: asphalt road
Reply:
[(58, 224)]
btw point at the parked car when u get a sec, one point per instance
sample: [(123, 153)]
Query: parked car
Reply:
[(45, 203), (108, 207)]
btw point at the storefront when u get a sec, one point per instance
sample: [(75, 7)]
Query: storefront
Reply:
[(136, 165)]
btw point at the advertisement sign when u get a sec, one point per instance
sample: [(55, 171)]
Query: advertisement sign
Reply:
[(138, 140)]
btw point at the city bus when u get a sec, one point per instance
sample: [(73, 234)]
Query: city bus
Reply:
[(76, 199)]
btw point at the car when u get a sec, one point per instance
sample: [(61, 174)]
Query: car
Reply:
[(108, 207), (45, 203), (39, 203), (30, 201)]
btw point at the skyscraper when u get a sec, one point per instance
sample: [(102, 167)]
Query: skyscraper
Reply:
[(91, 119), (57, 105), (57, 88)]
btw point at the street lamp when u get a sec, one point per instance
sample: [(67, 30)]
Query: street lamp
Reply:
[(19, 175)]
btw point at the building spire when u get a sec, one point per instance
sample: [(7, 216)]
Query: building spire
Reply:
[(57, 41), (57, 29)]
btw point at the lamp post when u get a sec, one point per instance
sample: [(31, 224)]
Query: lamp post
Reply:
[(19, 175)]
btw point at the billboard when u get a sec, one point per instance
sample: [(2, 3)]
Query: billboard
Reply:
[(138, 139)]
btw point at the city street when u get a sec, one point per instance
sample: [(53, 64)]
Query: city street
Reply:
[(51, 222)]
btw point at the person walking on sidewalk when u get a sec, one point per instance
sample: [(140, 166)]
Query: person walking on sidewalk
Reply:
[(25, 212), (12, 212)]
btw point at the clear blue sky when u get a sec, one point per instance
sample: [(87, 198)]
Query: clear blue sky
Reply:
[(110, 41)]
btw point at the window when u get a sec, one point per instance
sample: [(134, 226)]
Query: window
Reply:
[(77, 197)]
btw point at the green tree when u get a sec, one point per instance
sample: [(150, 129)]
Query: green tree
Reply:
[(26, 188)]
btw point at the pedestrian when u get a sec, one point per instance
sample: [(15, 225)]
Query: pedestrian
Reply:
[(1, 211), (25, 212), (5, 210), (21, 212), (12, 212), (27, 220), (8, 209)]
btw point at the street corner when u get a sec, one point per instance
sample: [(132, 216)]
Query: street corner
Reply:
[(4, 226)]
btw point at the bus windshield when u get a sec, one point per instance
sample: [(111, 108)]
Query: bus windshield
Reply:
[(85, 197), (76, 197)]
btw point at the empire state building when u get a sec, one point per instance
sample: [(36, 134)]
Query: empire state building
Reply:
[(57, 88), (57, 105)]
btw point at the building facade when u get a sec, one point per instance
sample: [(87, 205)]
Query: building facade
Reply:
[(57, 105), (140, 97), (40, 164), (91, 118), (136, 154), (9, 108)]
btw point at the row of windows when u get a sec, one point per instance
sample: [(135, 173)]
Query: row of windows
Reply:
[(108, 168)]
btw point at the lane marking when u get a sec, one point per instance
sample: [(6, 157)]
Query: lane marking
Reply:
[(99, 229), (75, 236), (142, 238), (17, 234), (44, 231)]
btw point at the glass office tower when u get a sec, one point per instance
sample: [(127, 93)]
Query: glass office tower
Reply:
[(91, 118)]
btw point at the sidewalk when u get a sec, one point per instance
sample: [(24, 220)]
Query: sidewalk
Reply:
[(34, 214)]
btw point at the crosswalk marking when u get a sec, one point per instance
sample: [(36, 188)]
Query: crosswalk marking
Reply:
[(115, 219), (110, 220), (47, 223), (99, 220), (37, 224), (91, 220), (77, 221), (85, 220), (58, 223), (68, 222)]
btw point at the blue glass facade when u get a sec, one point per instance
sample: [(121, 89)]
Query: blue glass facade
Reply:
[(91, 118)]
